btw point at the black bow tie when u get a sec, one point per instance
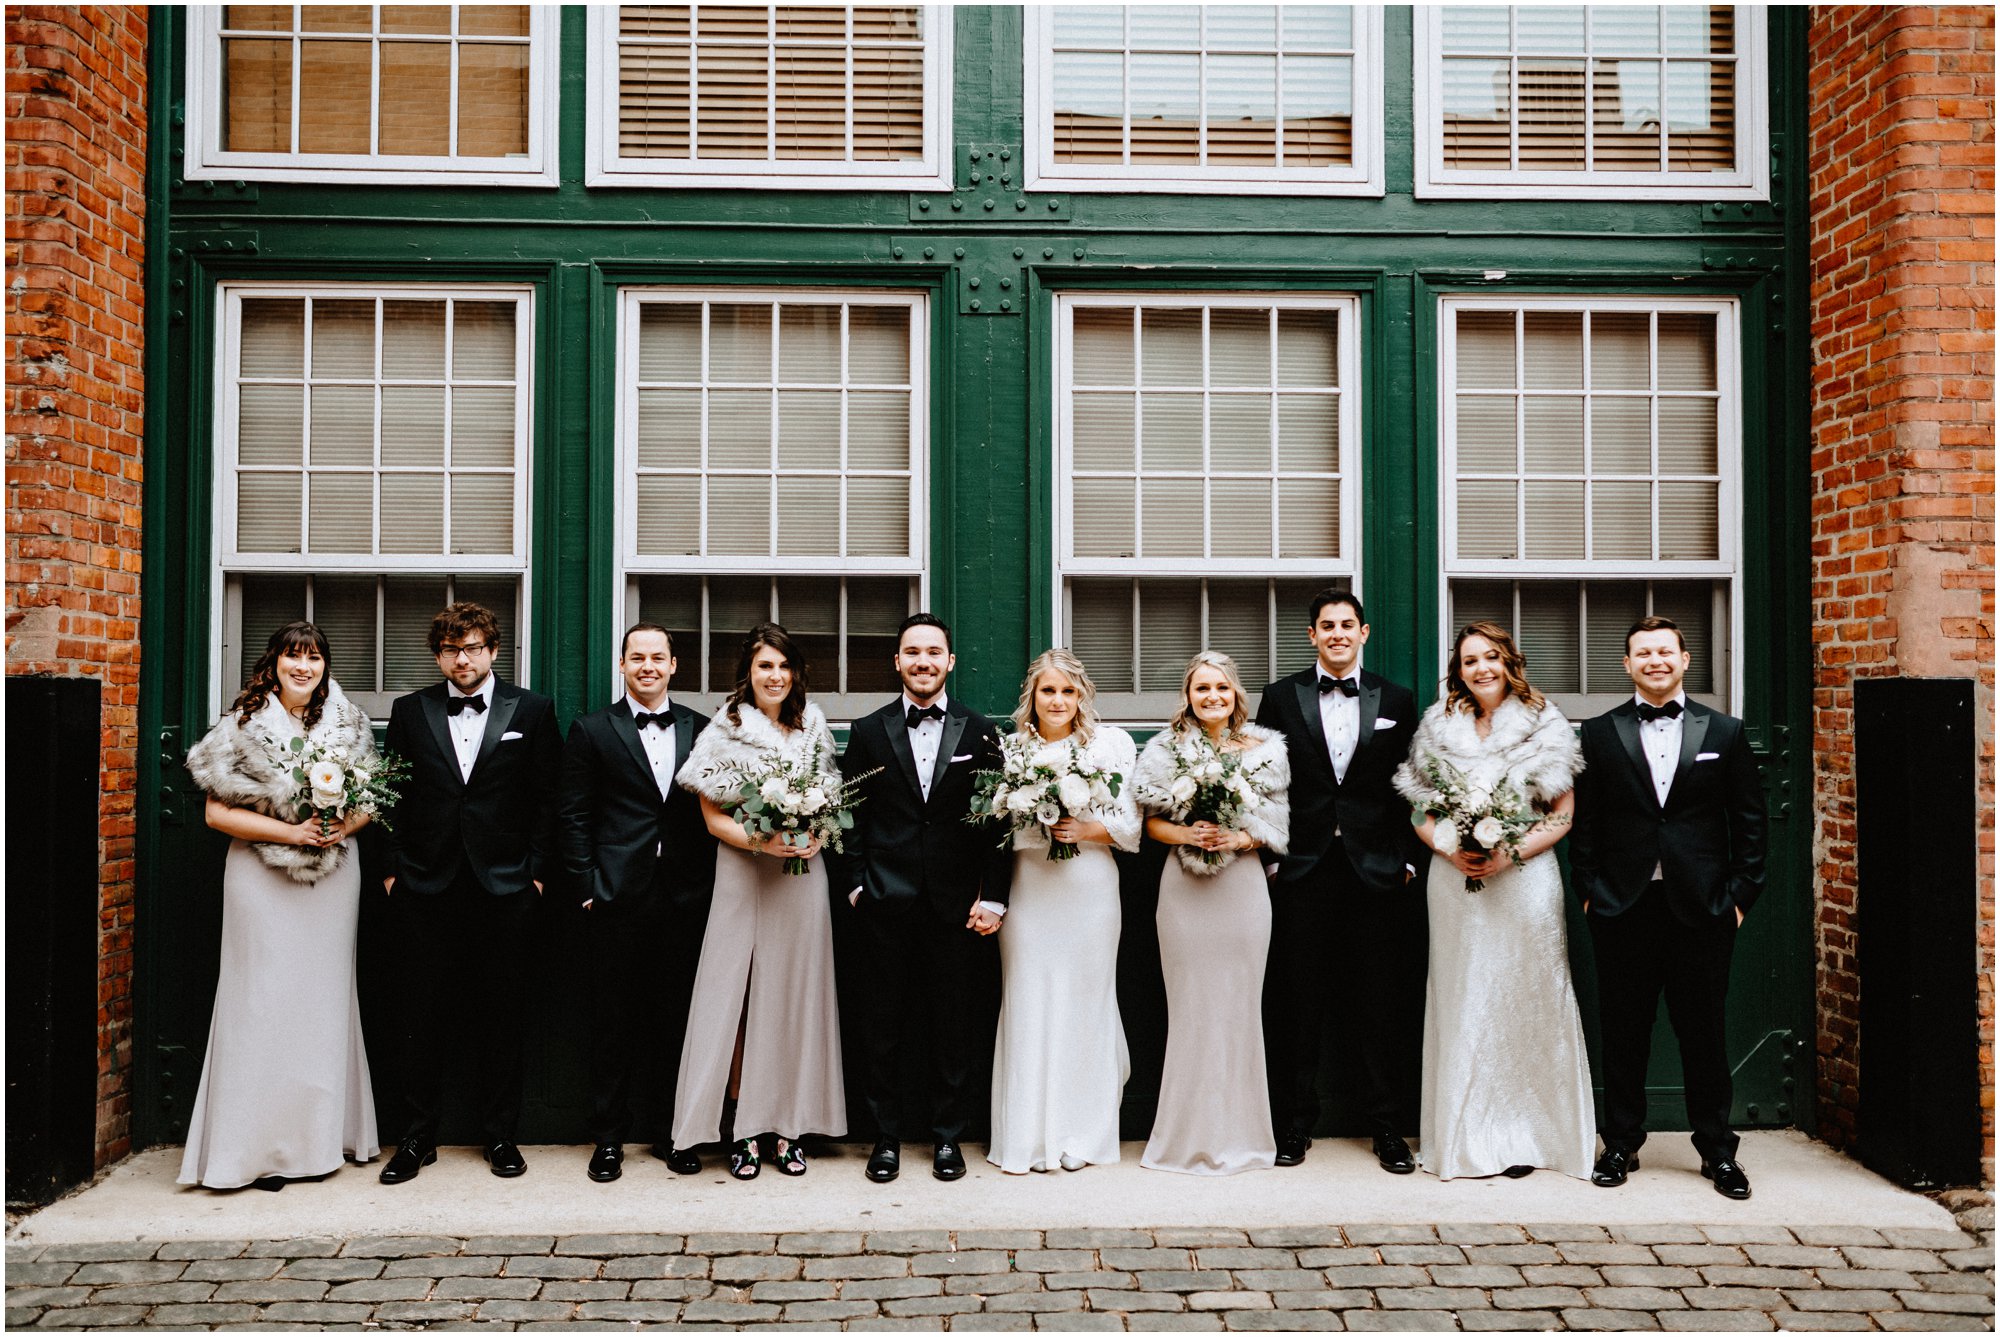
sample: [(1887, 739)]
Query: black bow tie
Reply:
[(1345, 686), (458, 705), (662, 720), (1670, 711), (916, 715)]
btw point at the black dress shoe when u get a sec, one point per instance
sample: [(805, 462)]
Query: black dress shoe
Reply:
[(679, 1159), (1292, 1148), (1728, 1178), (1518, 1171), (886, 1162), (1394, 1154), (412, 1155), (948, 1162), (606, 1163), (1613, 1166), (506, 1160), (269, 1183)]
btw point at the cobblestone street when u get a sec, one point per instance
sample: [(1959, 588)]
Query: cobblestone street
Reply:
[(1475, 1278)]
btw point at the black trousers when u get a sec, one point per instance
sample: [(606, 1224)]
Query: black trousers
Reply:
[(643, 956), (464, 969), (1334, 939), (926, 1020), (1642, 953)]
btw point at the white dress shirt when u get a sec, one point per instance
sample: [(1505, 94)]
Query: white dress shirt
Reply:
[(1340, 716), (659, 745), (468, 727), (924, 740), (1662, 741)]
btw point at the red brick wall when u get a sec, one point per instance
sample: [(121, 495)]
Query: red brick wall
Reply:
[(1902, 414), (76, 208)]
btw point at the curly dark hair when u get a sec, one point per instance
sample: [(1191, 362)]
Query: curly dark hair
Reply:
[(1513, 663), (792, 712), (263, 680)]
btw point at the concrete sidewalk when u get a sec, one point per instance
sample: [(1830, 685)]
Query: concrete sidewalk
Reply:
[(1796, 1182)]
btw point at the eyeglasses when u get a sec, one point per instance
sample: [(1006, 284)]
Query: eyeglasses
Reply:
[(468, 651)]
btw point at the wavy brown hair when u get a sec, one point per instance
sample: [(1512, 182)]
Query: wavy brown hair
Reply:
[(1512, 662), (1239, 713), (263, 679), (792, 710), (1067, 664)]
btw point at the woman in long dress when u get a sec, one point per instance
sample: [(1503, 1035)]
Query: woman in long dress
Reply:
[(1506, 1082), (284, 1087), (1214, 918), (1059, 1059), (764, 1026)]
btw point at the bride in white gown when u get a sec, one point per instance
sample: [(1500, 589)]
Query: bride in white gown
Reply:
[(1059, 1061), (1506, 1082)]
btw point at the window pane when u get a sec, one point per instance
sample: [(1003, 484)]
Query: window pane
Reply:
[(669, 429), (273, 336), (735, 604), (1484, 350), (1552, 350), (1627, 99), (878, 345), (334, 83), (492, 100), (1240, 432), (1239, 347), (811, 109), (1548, 635), (1309, 518), (1101, 346), (343, 333), (878, 517), (271, 424), (875, 609), (1554, 521), (1171, 340), (1486, 434), (493, 20), (482, 513), (888, 104), (1687, 351), (433, 20), (739, 516), (1170, 432), (733, 86), (483, 341), (1169, 632), (1242, 106), (1612, 606), (409, 603), (1620, 356), (809, 345), (1295, 650), (1552, 427), (878, 429), (809, 610), (338, 18), (1239, 520), (1103, 509), (809, 517), (1487, 522), (1687, 436), (262, 18), (739, 429), (1621, 516), (809, 430), (267, 513), (482, 427), (1478, 106), (739, 343), (1476, 27), (413, 513), (1100, 613), (1165, 98), (416, 97), (1318, 107), (1621, 436), (1089, 102), (1239, 625), (669, 516), (1550, 119), (343, 424), (670, 341), (1309, 434), (1105, 429), (1170, 515), (341, 518), (344, 609), (413, 340), (1480, 601), (674, 602), (1691, 607), (1688, 514)]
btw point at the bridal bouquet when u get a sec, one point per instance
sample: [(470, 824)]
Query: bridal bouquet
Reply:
[(1041, 783), (1475, 819), (1207, 784), (331, 781), (789, 797)]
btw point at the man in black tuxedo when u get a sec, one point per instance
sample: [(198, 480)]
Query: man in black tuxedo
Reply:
[(1337, 901), (472, 845), (1667, 853), (641, 860), (926, 885)]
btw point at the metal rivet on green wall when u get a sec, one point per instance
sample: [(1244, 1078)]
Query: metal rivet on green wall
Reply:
[(1048, 252), (897, 252), (975, 304), (972, 283), (1020, 205), (923, 204), (958, 204), (1054, 205), (959, 253), (929, 252), (1078, 252), (1006, 306), (1006, 154), (989, 206), (1006, 180), (1006, 283), (975, 178)]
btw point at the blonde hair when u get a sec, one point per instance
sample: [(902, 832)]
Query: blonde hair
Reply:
[(1067, 664), (1239, 712)]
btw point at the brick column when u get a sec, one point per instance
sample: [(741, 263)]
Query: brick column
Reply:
[(1902, 463), (76, 208)]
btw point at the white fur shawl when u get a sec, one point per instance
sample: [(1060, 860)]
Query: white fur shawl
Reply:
[(1535, 749), (1113, 750), (248, 766), (740, 740), (1269, 768)]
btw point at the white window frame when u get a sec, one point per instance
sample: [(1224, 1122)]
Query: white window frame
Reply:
[(631, 565), (1344, 569), (228, 563), (606, 166), (1362, 177), (1750, 181), (1725, 568), (207, 160)]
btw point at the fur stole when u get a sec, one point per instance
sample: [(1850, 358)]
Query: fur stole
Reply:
[(1535, 749), (1265, 763), (741, 740), (1112, 749), (250, 766)]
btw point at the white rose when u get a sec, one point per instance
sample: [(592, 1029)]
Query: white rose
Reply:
[(1021, 800), (1183, 788), (814, 800), (1477, 800), (1212, 771), (327, 781), (361, 777), (1075, 792), (1444, 836), (1488, 831), (1100, 793), (1053, 757), (772, 790)]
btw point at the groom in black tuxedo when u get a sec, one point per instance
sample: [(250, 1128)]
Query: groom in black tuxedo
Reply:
[(642, 862), (1667, 854), (926, 885), (1338, 901), (473, 842)]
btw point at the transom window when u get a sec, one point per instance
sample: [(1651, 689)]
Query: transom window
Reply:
[(777, 95), (774, 457), (1186, 97), (1205, 481), (372, 449), (1591, 458), (373, 93), (1619, 100)]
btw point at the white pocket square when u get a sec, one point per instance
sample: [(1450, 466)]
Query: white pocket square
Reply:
[(1385, 724), (1707, 756), (964, 756), (509, 736)]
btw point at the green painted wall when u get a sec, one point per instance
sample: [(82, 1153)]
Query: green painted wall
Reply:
[(991, 439)]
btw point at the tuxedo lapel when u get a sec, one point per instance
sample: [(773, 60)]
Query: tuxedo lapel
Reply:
[(627, 729), (1694, 727), (1308, 694), (954, 728), (684, 727), (1626, 721), (433, 703), (501, 713), (1370, 702), (899, 743)]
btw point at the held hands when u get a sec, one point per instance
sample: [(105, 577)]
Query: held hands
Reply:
[(983, 921), (1482, 865), (781, 844), (1209, 836), (1076, 830), (310, 835)]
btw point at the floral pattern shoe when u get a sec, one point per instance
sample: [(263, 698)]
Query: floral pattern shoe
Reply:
[(745, 1160), (791, 1158)]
